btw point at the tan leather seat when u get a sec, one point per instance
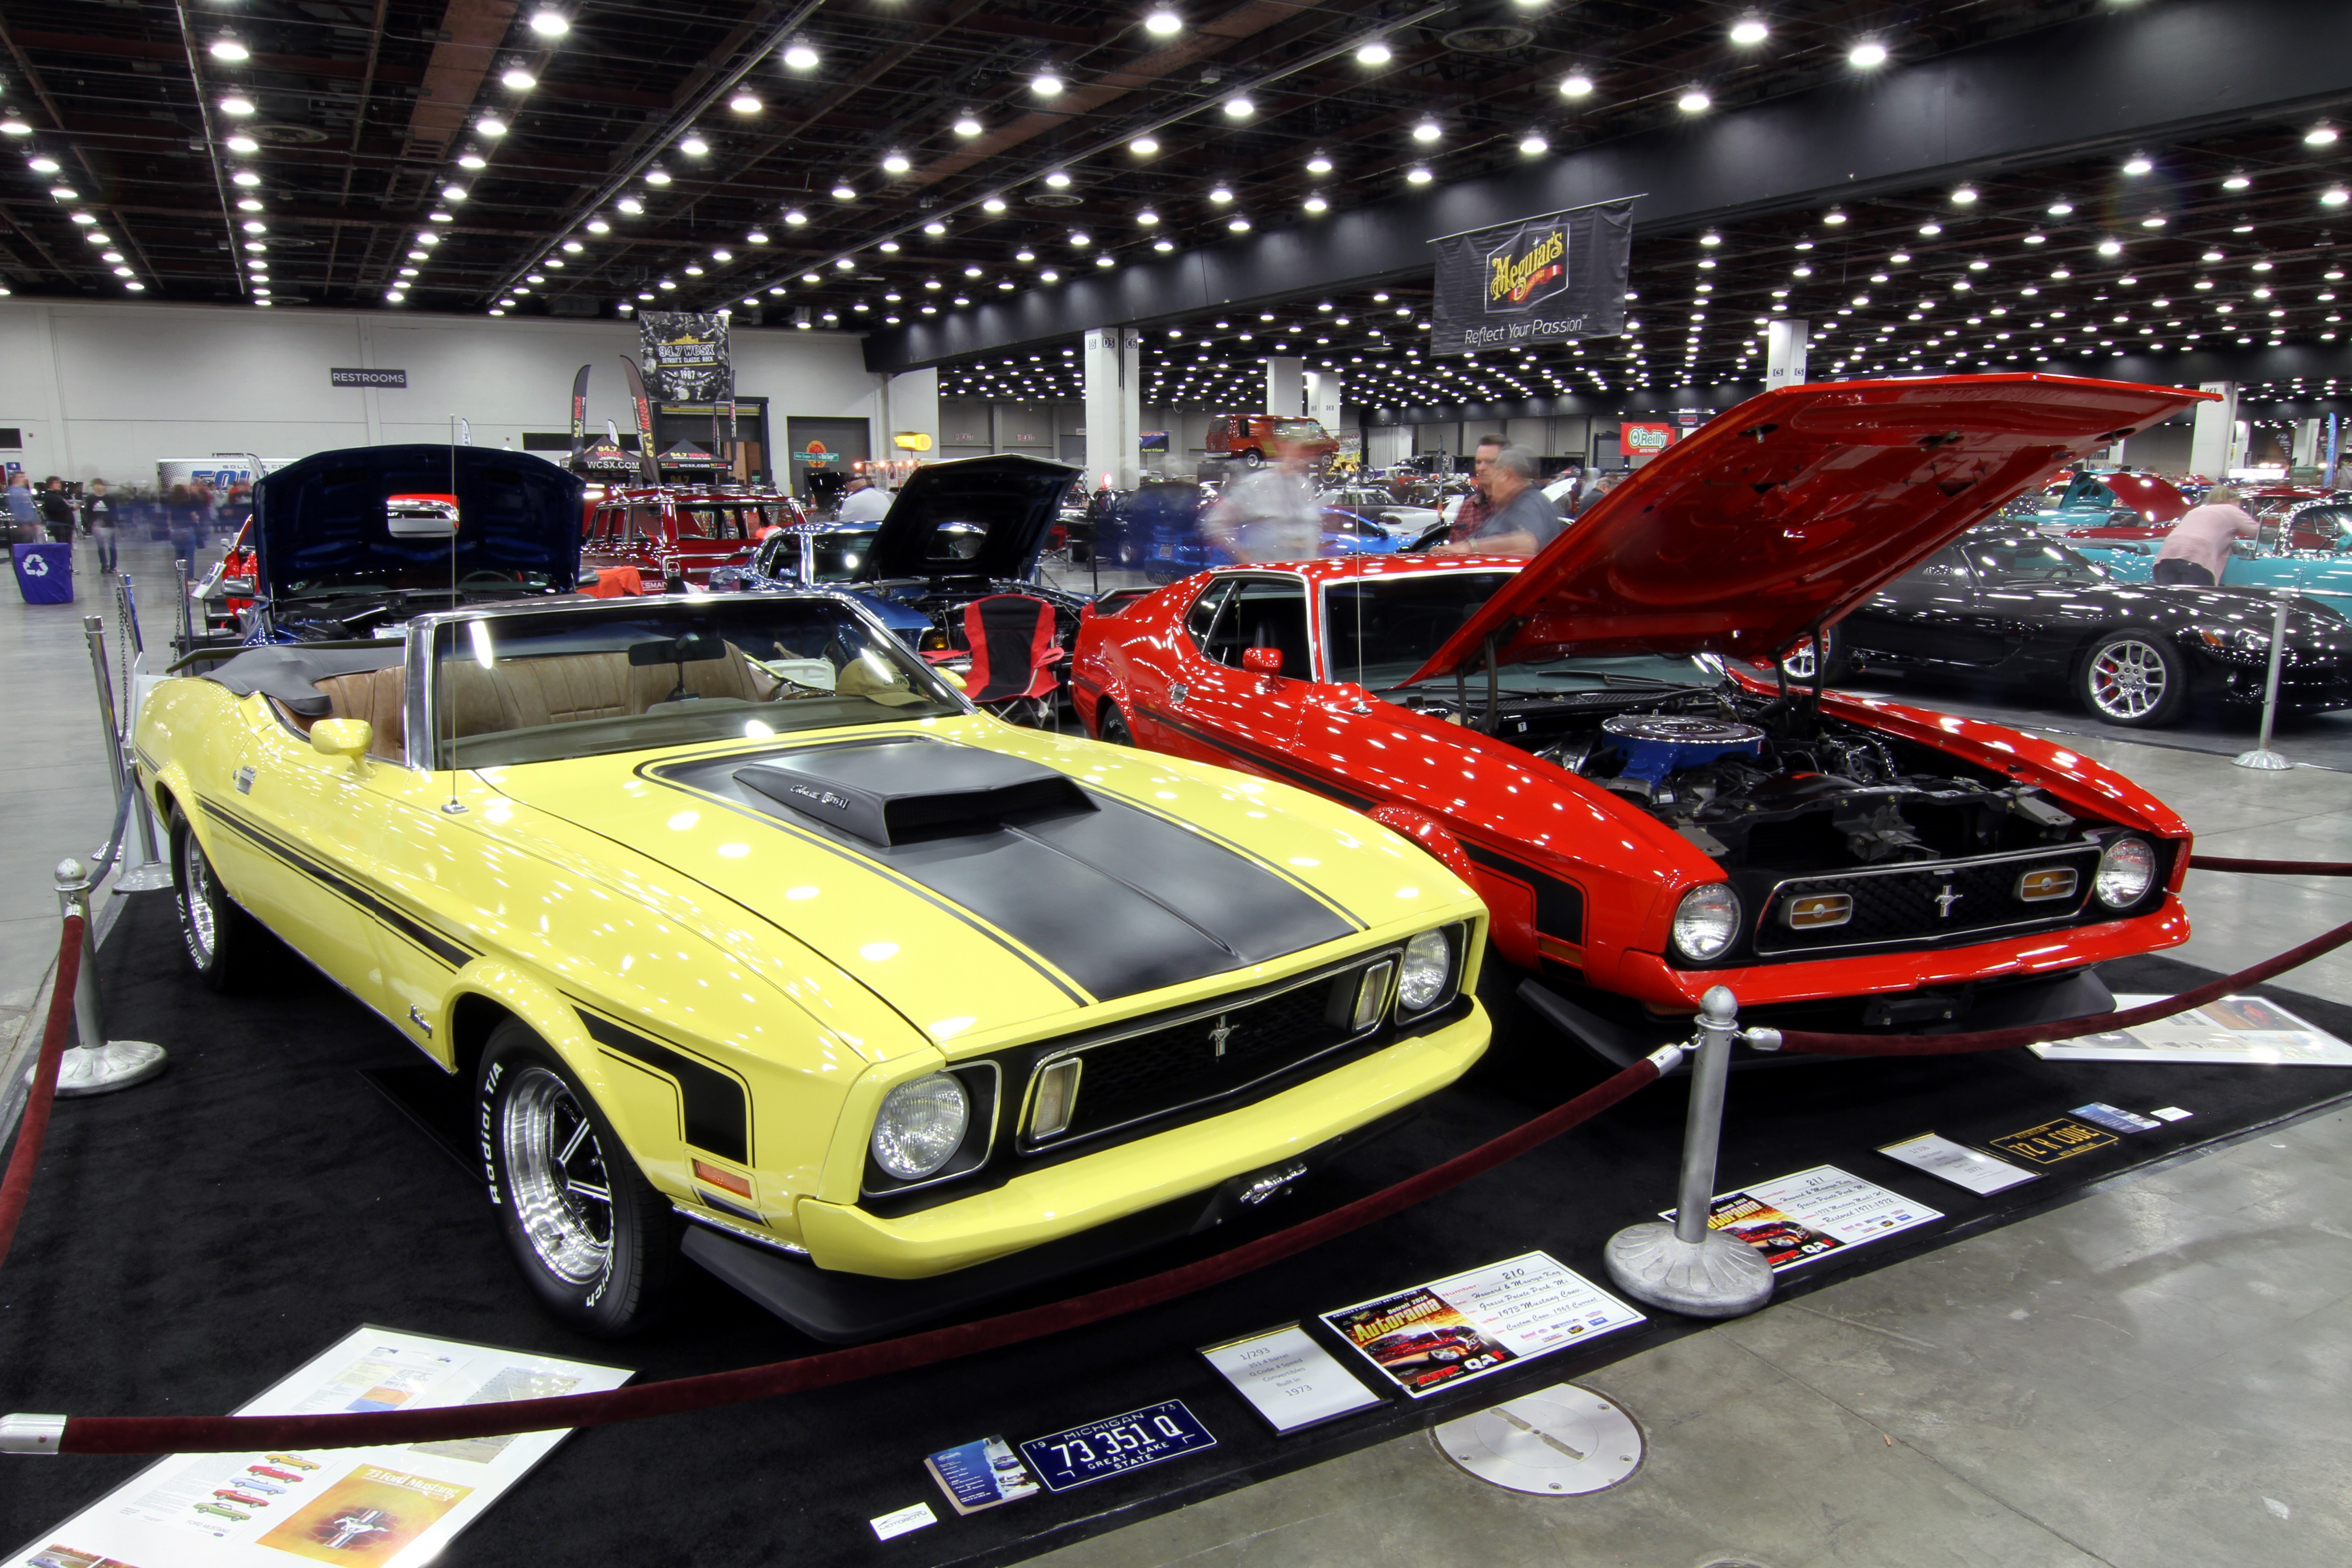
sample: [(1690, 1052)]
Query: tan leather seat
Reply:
[(562, 688), (377, 696)]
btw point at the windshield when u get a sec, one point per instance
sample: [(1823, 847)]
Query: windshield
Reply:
[(2030, 561), (416, 580), (581, 682), (1380, 630)]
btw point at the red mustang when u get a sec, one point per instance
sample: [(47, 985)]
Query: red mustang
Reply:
[(1647, 821)]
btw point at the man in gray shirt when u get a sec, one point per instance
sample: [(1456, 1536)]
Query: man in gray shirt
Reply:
[(1522, 520)]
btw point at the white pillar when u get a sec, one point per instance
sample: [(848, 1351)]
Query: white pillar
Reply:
[(911, 406), (2307, 443), (1786, 341), (1323, 399), (1114, 380), (1285, 385), (2209, 437)]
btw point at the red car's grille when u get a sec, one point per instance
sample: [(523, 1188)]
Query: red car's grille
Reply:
[(1912, 904)]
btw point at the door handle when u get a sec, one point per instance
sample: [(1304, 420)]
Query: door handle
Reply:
[(1178, 691)]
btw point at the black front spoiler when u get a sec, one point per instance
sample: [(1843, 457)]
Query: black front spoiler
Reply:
[(854, 1309), (1623, 1043)]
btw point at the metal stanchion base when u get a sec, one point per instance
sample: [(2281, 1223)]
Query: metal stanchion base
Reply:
[(153, 878), (2267, 761), (1721, 1277), (1560, 1441), (102, 1069)]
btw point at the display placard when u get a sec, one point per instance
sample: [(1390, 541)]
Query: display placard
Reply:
[(2051, 1142), (1115, 1445), (1462, 1327), (393, 1507), (1290, 1379), (2249, 1030), (1974, 1169), (1795, 1219), (982, 1474)]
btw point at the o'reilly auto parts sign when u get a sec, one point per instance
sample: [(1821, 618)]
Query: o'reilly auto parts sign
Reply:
[(345, 377), (1546, 280)]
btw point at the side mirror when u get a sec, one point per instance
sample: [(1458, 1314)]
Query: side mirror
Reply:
[(343, 737), (952, 678), (1264, 662)]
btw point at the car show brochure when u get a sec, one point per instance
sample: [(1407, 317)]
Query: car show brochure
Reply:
[(2048, 1143), (1115, 1445), (1457, 1329), (2115, 1119), (1290, 1379), (2249, 1030), (393, 1507), (981, 1475), (1795, 1219), (1974, 1169)]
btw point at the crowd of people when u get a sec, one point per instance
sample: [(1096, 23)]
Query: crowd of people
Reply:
[(191, 519)]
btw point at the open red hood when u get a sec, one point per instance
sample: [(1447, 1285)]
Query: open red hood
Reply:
[(1794, 508), (2150, 495)]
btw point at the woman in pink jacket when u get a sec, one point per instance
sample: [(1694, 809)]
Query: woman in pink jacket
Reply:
[(2198, 548)]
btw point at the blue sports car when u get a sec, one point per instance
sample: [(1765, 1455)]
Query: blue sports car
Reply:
[(825, 555)]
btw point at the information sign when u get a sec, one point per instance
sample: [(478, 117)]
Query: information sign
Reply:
[(1291, 1380), (1795, 1219), (1456, 1329), (1976, 1170)]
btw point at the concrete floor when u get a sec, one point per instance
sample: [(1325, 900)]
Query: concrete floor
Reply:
[(2151, 1378)]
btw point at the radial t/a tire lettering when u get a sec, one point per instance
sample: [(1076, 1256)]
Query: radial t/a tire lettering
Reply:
[(225, 945), (597, 1244)]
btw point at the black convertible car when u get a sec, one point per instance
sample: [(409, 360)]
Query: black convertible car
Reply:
[(2009, 604)]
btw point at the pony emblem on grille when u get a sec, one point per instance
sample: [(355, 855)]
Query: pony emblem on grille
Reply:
[(1221, 1034), (1946, 899)]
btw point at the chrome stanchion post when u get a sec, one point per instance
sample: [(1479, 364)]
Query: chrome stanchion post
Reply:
[(1686, 1267), (2262, 756), (187, 639), (153, 875), (95, 1065)]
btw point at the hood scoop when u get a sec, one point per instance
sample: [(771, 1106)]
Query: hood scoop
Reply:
[(911, 792)]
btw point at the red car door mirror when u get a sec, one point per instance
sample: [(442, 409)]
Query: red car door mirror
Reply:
[(1266, 661)]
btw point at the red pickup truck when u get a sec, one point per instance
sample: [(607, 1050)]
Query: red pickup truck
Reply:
[(696, 528), (1251, 439)]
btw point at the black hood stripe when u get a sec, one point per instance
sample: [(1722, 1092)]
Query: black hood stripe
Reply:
[(716, 1112), (1119, 899)]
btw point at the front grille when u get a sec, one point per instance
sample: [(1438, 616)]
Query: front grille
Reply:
[(1919, 904), (1130, 1078)]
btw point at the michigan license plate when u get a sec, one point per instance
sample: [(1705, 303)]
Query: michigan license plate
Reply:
[(1115, 1445)]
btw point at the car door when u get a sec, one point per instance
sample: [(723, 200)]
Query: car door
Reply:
[(1159, 678), (1931, 614), (1215, 709)]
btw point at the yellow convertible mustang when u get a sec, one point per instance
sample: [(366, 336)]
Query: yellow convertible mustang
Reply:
[(758, 944)]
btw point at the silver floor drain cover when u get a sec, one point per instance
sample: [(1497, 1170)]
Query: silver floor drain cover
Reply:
[(1558, 1442)]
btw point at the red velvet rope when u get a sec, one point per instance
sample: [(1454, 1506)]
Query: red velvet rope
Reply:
[(249, 1434), (18, 1185), (2271, 868)]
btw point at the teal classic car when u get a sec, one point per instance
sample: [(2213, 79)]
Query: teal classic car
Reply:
[(2308, 551)]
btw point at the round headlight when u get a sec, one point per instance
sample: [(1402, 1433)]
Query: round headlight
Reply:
[(1707, 922), (1428, 964), (920, 1126), (2127, 872)]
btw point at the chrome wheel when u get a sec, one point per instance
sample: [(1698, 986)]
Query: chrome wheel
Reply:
[(2128, 679), (199, 921), (556, 1177)]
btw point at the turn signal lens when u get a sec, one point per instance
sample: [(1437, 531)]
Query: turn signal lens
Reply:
[(2127, 872), (1707, 922), (1428, 965), (2047, 885), (1812, 911), (1359, 1007), (721, 1178), (1057, 1099), (920, 1126)]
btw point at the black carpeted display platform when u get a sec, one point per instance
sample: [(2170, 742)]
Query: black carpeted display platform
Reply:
[(192, 1240)]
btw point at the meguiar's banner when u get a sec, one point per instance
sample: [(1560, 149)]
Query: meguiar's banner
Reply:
[(1548, 280), (685, 356)]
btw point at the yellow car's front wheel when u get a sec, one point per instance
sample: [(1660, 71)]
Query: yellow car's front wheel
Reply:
[(596, 1242), (223, 943)]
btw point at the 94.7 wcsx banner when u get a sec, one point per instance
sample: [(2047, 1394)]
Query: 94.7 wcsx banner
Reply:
[(1548, 279)]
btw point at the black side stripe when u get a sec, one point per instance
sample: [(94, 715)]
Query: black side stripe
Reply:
[(1257, 759), (450, 952), (718, 1112), (1560, 906)]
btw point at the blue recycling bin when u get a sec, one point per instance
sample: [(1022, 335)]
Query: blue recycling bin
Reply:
[(45, 573)]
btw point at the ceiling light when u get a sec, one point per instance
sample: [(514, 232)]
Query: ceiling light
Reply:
[(1315, 203), (1058, 179), (548, 23), (801, 58), (237, 104), (598, 226), (658, 176), (519, 80), (1221, 195), (2319, 136), (1376, 52), (1575, 84), (1147, 217), (2111, 247), (12, 126), (629, 205), (2236, 183), (1868, 55), (1419, 176), (469, 159), (453, 192), (895, 164), (1163, 245), (935, 228), (1694, 101), (744, 103), (795, 216), (491, 125), (1533, 144), (65, 193), (1239, 225), (757, 236), (1239, 106), (966, 125), (1046, 84), (1833, 218), (843, 191), (1966, 195), (245, 177), (227, 47), (2138, 165), (1427, 131), (241, 143), (1749, 30)]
